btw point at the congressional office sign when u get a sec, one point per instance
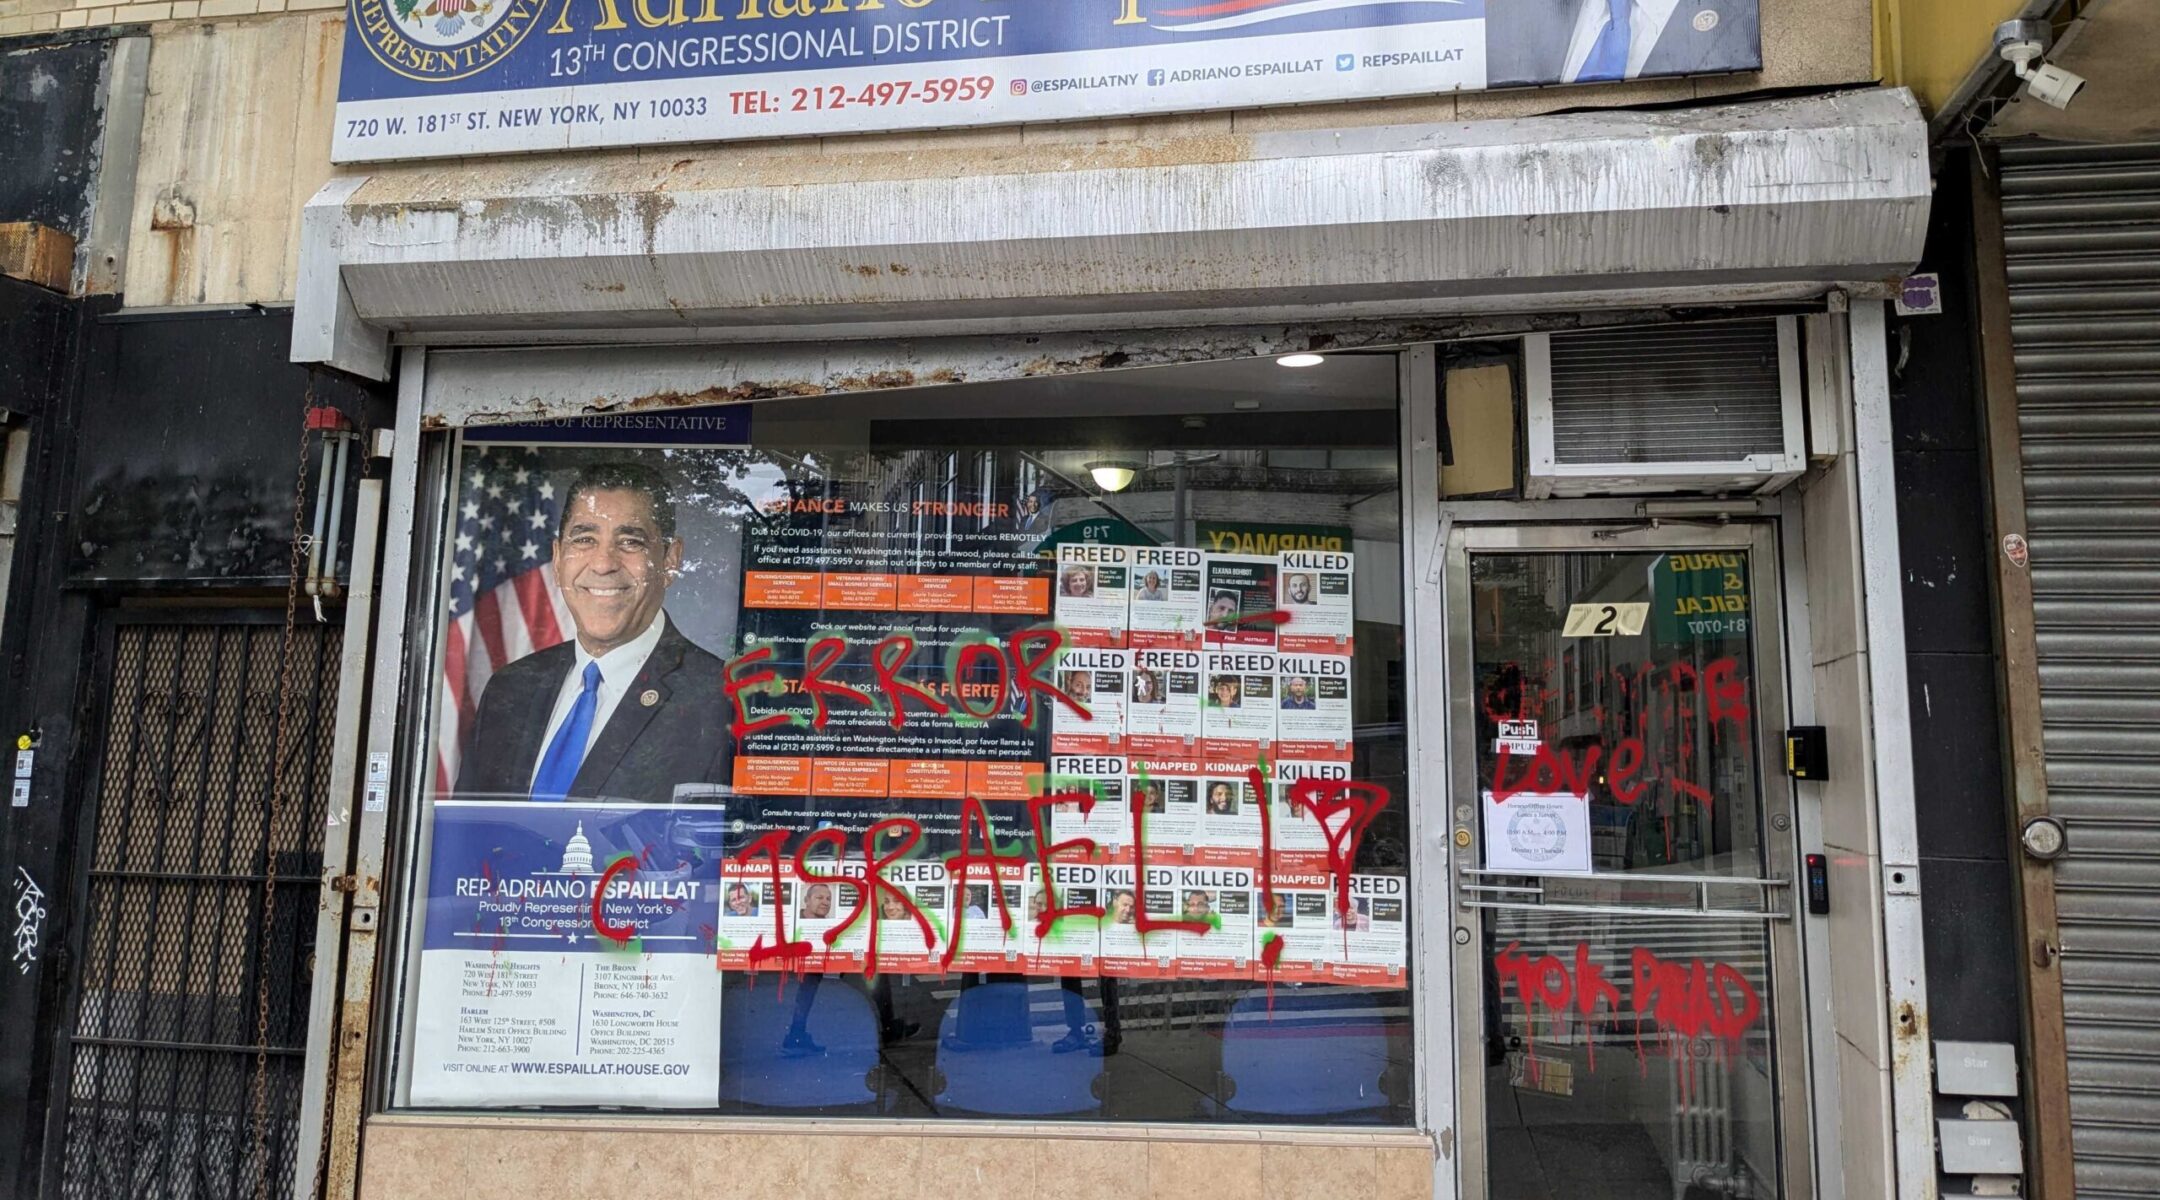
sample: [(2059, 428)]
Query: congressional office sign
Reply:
[(426, 78)]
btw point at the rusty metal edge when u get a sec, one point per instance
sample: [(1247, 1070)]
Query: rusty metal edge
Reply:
[(2047, 1073), (356, 1001), (332, 904)]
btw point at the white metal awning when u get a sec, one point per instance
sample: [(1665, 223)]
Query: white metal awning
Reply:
[(1776, 200)]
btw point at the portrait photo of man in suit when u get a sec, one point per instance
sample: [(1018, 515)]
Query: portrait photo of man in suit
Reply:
[(629, 708), (1531, 42)]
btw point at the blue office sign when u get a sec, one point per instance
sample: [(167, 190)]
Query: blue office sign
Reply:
[(428, 78)]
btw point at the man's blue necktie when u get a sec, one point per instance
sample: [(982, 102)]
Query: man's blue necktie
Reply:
[(1608, 55), (559, 766)]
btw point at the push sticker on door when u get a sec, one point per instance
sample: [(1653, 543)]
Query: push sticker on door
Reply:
[(1517, 737), (1598, 619)]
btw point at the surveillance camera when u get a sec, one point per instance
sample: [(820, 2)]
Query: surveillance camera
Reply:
[(2021, 43), (2053, 86)]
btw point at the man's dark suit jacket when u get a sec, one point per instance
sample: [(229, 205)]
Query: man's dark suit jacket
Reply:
[(1526, 41), (641, 754)]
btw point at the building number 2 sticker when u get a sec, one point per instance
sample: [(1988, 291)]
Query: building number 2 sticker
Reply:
[(1605, 620)]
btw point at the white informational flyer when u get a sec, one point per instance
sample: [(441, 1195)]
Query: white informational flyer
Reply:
[(524, 998), (902, 948), (748, 900), (1299, 919), (1109, 823), (1099, 678), (1169, 808), (1538, 833), (825, 899), (1073, 942), (1376, 929), (1237, 705), (1090, 586), (1222, 899), (1312, 705), (1168, 596), (1314, 589), (1240, 600), (1122, 950), (1162, 707), (1294, 830), (1229, 820), (986, 943)]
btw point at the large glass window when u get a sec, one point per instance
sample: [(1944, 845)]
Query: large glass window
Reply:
[(1021, 750)]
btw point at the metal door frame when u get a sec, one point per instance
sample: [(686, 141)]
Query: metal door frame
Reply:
[(82, 853), (1792, 1080)]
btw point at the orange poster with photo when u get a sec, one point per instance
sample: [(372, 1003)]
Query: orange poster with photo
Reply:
[(936, 593), (1025, 596), (781, 589)]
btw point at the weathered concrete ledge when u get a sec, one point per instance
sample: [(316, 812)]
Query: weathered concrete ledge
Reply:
[(1782, 199)]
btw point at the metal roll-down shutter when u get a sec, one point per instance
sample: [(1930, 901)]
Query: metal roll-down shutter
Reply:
[(2082, 234)]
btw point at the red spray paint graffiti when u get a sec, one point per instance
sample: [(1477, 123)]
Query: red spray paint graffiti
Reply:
[(1682, 1002), (1026, 659), (1645, 745)]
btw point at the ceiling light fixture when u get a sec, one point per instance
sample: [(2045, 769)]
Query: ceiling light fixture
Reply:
[(1300, 360), (1113, 475)]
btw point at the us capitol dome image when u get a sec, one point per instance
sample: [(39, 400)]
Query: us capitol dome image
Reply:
[(577, 854)]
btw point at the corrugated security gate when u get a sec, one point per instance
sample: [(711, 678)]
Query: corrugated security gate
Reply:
[(182, 1066), (2082, 235)]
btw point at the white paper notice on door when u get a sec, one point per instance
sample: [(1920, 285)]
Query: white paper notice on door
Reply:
[(1542, 833)]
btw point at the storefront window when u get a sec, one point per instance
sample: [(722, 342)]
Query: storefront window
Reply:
[(1028, 750)]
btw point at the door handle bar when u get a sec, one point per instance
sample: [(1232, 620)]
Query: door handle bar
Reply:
[(1469, 895), (1632, 877), (1622, 910)]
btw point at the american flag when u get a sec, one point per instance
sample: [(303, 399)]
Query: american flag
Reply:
[(503, 600)]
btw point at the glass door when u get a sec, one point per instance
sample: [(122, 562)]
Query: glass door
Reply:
[(1628, 995)]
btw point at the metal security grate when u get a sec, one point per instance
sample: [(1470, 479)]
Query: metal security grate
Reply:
[(165, 1097), (2082, 242), (1672, 394)]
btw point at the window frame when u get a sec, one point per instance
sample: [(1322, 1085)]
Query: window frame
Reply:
[(408, 654)]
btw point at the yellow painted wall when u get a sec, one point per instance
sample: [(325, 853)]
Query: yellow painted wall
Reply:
[(1931, 45)]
